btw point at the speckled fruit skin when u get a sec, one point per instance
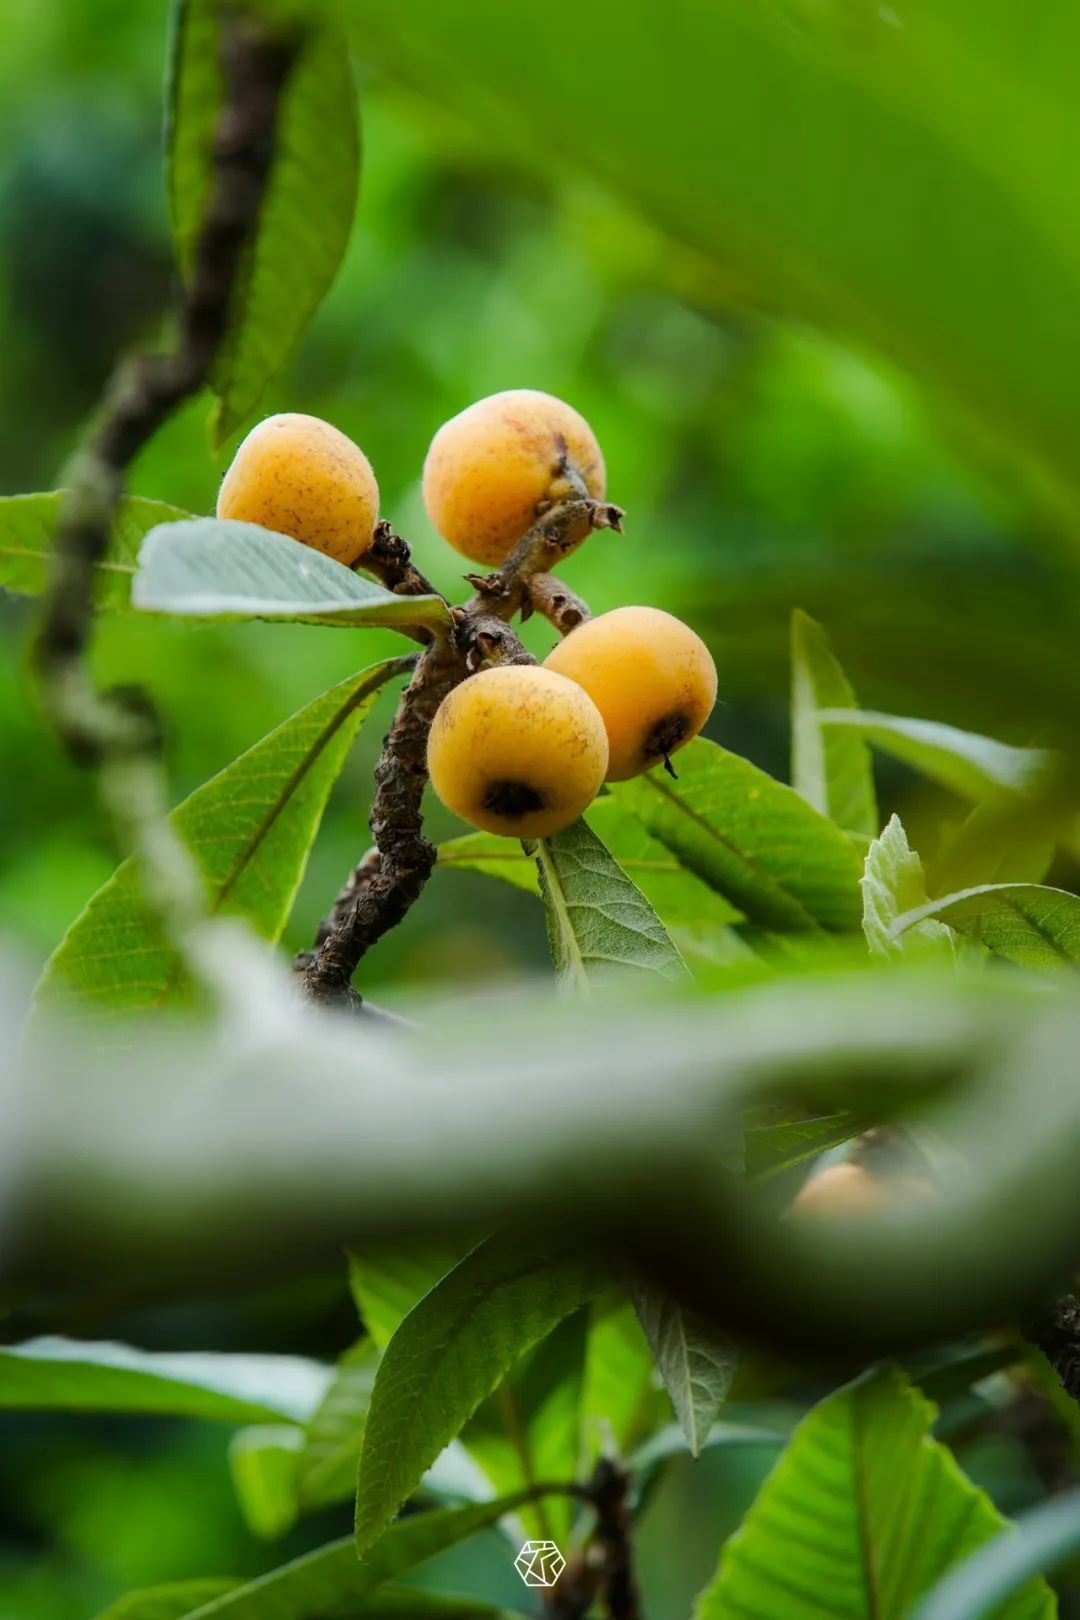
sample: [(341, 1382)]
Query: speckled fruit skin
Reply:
[(650, 676), (517, 750), (301, 476), (844, 1191), (489, 467)]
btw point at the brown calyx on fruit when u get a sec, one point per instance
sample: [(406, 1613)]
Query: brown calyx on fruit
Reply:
[(512, 799), (665, 737)]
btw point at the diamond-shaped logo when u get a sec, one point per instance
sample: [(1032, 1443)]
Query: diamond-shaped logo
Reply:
[(540, 1563)]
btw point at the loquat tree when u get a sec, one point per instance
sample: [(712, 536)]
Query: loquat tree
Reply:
[(786, 1163)]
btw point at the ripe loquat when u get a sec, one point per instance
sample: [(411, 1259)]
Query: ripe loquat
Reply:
[(650, 676), (849, 1189), (517, 750), (491, 467), (300, 476)]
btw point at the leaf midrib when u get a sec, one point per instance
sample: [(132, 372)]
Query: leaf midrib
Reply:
[(561, 906), (750, 861), (385, 673), (45, 553)]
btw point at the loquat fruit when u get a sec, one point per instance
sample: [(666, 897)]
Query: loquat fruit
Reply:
[(300, 476), (517, 750), (849, 1189), (650, 676), (490, 467)]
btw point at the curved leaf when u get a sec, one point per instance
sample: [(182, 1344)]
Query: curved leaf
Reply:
[(1029, 923), (530, 1429), (752, 838), (599, 922), (805, 149), (331, 1583), (962, 761), (620, 1399), (193, 95), (830, 767), (696, 1363), (249, 830), (173, 1601), (326, 1466), (262, 1461), (306, 215), (75, 1376), (770, 1149), (1035, 1545), (215, 568), (877, 1509), (451, 1351), (387, 1284), (28, 525)]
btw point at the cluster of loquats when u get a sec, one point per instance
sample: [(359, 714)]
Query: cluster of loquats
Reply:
[(516, 748)]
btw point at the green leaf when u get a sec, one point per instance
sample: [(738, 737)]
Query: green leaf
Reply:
[(193, 96), (333, 1583), (599, 922), (28, 525), (216, 568), (621, 1399), (173, 1601), (249, 830), (780, 862), (1029, 923), (848, 166), (263, 1461), (306, 215), (962, 761), (877, 1509), (893, 884), (69, 1375), (830, 766), (676, 895), (1035, 1545), (696, 1363), (770, 1149), (326, 1466), (530, 1429), (451, 1351), (387, 1284)]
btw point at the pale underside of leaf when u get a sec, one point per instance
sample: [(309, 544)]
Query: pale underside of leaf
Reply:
[(696, 1363), (223, 569)]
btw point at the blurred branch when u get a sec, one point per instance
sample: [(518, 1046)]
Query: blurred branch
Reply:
[(388, 881), (309, 1132), (117, 732)]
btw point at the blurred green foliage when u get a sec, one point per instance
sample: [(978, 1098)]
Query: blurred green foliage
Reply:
[(762, 465)]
